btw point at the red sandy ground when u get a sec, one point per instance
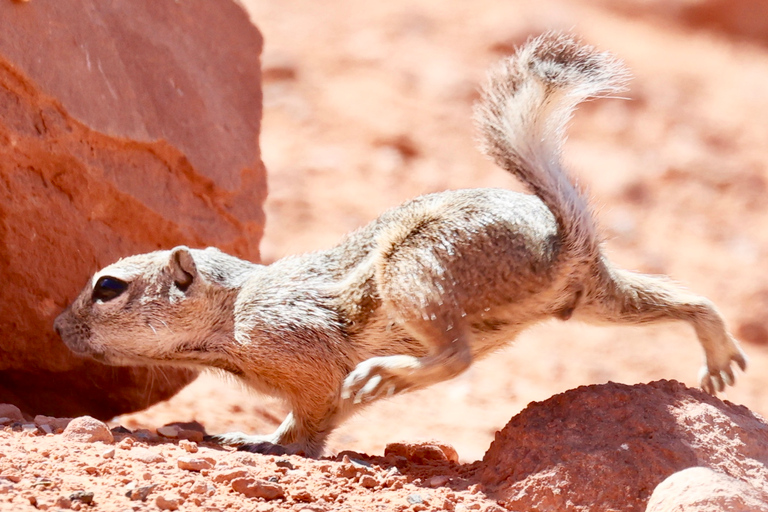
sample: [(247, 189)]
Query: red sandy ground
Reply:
[(369, 103)]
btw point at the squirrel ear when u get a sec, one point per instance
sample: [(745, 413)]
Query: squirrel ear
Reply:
[(183, 268)]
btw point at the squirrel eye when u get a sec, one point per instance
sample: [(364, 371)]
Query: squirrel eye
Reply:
[(107, 288)]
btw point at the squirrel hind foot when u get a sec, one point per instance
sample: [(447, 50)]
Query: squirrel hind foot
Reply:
[(266, 448)]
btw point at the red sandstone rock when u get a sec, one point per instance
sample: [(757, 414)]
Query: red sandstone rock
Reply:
[(705, 490), (607, 447), (125, 127)]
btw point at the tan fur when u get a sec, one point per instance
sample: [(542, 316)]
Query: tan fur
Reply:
[(412, 298)]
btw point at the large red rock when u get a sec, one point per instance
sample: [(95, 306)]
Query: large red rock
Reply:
[(125, 127), (607, 447)]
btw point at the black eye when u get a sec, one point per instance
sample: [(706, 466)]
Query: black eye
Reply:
[(107, 288)]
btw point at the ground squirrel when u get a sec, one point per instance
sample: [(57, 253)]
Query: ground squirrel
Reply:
[(414, 297)]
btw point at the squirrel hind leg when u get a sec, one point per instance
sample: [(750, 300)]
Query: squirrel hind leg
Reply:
[(383, 376), (626, 297), (417, 294)]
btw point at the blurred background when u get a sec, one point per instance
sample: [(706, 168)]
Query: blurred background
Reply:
[(367, 104)]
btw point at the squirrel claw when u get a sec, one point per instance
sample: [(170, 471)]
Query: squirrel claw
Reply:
[(713, 379), (376, 378)]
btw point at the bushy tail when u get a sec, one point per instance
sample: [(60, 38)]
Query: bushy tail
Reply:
[(525, 106)]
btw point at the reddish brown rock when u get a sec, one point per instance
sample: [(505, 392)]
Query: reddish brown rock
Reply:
[(125, 127), (607, 447)]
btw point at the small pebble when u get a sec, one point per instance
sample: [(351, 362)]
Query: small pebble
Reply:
[(415, 499), (283, 463), (29, 428), (85, 497), (42, 482), (421, 453), (199, 487), (11, 411), (171, 432), (167, 502), (140, 493), (55, 424), (437, 481), (346, 470), (301, 494), (188, 446), (87, 430), (243, 459), (11, 474), (476, 488), (194, 464), (63, 502), (146, 456), (227, 475), (253, 488), (126, 443), (109, 453), (192, 435), (44, 420), (368, 481), (144, 434)]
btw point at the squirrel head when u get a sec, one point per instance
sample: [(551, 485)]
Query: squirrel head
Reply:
[(152, 307)]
